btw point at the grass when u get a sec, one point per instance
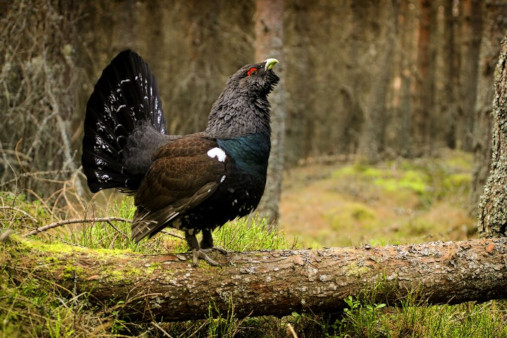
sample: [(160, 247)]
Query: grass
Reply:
[(393, 202), (364, 318), (31, 307)]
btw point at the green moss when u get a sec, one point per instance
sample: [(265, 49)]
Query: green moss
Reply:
[(72, 271), (381, 241), (113, 252), (55, 248), (361, 213), (386, 178), (372, 172), (134, 272), (355, 270), (152, 267), (459, 160), (419, 227), (459, 180), (114, 274), (347, 170), (410, 180), (350, 214)]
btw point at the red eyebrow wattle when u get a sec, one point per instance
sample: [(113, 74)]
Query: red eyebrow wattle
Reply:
[(251, 70)]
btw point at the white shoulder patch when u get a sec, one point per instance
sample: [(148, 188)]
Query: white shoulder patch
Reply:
[(218, 153)]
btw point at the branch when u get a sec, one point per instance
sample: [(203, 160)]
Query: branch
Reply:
[(107, 220), (20, 211), (75, 221), (155, 287)]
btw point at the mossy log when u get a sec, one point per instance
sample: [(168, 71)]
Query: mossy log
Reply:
[(163, 287)]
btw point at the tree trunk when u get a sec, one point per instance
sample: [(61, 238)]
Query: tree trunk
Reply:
[(300, 125), (450, 77), (423, 84), (471, 42), (399, 132), (494, 14), (268, 44), (493, 210), (373, 128), (162, 287)]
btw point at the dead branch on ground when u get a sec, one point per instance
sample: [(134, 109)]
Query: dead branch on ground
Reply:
[(279, 282)]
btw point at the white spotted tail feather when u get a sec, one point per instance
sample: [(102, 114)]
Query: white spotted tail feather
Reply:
[(124, 104)]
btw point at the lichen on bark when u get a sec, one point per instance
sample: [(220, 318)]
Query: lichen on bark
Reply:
[(268, 282), (493, 204)]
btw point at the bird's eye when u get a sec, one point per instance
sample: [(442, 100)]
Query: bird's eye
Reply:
[(251, 71)]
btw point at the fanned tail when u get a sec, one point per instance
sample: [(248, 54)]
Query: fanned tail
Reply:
[(124, 124)]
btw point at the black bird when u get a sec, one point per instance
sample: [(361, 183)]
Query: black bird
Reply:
[(193, 182)]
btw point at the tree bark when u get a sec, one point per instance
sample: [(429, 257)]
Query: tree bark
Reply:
[(269, 44), (493, 204), (399, 131), (373, 128), (162, 287), (423, 85), (494, 25), (471, 42), (446, 96)]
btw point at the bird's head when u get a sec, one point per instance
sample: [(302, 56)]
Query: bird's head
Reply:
[(243, 107), (254, 79)]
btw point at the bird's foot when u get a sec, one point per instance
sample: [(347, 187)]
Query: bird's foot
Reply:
[(218, 249), (200, 254)]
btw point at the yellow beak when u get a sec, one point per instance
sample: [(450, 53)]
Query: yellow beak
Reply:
[(270, 63)]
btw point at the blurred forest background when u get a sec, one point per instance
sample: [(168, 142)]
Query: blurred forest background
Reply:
[(382, 124), (374, 79)]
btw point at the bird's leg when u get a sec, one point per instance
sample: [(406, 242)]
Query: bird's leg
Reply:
[(197, 253), (207, 242)]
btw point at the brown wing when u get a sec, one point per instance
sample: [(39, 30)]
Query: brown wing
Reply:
[(181, 177)]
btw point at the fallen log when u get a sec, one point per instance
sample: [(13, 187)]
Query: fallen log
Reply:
[(163, 287)]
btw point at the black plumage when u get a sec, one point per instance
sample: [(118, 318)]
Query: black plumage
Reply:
[(194, 182)]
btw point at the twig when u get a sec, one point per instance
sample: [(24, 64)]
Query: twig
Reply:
[(117, 230), (291, 330), (36, 139), (171, 234), (195, 331), (161, 329), (238, 325), (74, 221), (12, 152), (20, 164), (19, 210), (69, 161), (5, 235), (35, 175)]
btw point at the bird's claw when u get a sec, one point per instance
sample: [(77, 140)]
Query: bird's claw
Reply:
[(218, 249), (199, 254)]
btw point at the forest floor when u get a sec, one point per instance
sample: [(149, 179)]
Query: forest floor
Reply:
[(393, 202), (323, 205)]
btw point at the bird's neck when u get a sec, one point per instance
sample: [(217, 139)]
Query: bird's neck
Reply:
[(234, 116), (250, 152)]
